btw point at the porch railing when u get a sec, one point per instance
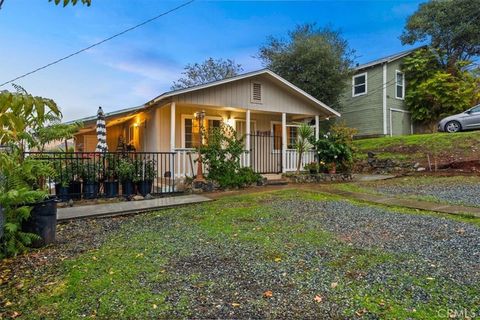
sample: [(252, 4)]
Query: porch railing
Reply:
[(291, 160), (96, 174)]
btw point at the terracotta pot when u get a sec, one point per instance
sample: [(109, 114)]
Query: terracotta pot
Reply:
[(333, 168)]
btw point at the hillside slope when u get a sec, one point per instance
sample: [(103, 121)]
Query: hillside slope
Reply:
[(448, 150)]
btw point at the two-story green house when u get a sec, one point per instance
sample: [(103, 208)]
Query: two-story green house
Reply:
[(374, 99)]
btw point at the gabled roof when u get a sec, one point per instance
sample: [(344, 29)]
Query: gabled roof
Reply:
[(173, 93), (267, 72), (387, 59)]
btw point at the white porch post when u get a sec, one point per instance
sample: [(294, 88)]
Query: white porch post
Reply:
[(247, 137), (284, 141), (172, 127), (317, 127)]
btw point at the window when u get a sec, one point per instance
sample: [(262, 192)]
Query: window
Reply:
[(292, 135), (191, 133), (256, 92), (475, 109), (359, 84), (399, 85), (191, 130), (241, 127)]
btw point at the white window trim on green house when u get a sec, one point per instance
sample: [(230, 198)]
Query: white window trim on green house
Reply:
[(364, 74), (397, 85)]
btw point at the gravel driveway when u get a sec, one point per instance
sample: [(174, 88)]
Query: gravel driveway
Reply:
[(285, 255), (466, 193)]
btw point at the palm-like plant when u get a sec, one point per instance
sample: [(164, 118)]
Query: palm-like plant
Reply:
[(305, 132)]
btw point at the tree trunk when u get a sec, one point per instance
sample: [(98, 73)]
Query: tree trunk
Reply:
[(299, 163)]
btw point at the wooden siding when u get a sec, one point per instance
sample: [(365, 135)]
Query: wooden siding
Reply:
[(400, 127), (364, 112), (275, 97)]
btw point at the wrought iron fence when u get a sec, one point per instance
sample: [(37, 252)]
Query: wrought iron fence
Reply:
[(91, 175), (266, 153)]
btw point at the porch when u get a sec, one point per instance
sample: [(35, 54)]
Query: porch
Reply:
[(269, 137)]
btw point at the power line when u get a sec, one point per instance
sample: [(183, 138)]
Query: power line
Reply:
[(99, 43)]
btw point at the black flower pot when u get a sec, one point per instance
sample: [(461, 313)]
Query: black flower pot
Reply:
[(75, 189), (42, 221), (144, 187), (111, 189), (62, 192), (128, 188), (90, 190)]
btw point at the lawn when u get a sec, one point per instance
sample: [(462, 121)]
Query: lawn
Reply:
[(284, 254)]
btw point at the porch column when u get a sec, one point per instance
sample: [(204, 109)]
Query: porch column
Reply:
[(247, 137), (172, 127), (317, 127), (284, 141)]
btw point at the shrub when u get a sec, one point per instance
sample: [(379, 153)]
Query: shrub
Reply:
[(221, 156), (332, 149)]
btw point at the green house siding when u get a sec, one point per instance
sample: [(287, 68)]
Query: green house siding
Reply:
[(366, 114)]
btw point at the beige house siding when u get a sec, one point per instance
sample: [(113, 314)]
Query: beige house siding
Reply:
[(275, 97)]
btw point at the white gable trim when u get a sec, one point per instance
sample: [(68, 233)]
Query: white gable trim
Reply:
[(317, 102)]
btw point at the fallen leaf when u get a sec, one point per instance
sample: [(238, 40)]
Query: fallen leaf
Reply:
[(334, 285), (8, 304), (16, 314), (278, 259), (318, 298), (268, 294), (154, 306), (235, 304)]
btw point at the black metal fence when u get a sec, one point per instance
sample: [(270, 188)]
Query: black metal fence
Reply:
[(266, 153), (89, 175)]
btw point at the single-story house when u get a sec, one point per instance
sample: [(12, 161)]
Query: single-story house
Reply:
[(374, 99), (260, 105)]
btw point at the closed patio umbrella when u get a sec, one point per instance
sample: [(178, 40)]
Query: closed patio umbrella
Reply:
[(101, 132)]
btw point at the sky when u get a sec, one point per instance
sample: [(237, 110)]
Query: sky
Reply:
[(138, 66)]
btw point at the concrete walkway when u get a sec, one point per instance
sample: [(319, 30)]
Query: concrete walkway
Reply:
[(127, 207)]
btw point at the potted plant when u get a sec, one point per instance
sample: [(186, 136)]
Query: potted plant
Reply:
[(111, 184), (63, 176), (311, 167), (75, 184), (91, 171), (126, 175), (146, 173)]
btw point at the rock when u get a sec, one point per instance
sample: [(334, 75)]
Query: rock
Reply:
[(149, 197), (421, 169), (137, 197), (70, 203), (416, 165)]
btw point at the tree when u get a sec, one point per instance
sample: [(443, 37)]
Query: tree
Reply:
[(208, 71), (318, 60), (73, 2), (452, 27), (433, 91), (305, 133)]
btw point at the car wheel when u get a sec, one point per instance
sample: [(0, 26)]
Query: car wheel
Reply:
[(453, 126)]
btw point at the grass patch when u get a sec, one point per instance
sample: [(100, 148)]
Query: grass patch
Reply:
[(219, 259)]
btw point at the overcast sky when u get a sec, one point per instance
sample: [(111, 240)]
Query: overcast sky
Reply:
[(136, 67)]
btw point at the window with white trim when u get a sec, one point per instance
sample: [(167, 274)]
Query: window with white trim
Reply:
[(191, 129), (241, 127), (359, 84), (399, 85)]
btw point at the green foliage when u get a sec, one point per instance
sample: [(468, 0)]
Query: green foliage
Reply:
[(146, 170), (73, 2), (305, 133), (221, 157), (208, 71), (92, 170), (451, 26), (332, 149), (312, 167), (56, 132), (126, 169), (318, 60), (434, 92)]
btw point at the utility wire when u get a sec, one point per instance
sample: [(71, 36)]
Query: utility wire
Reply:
[(98, 43)]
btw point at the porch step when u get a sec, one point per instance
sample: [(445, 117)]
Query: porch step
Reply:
[(276, 182)]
